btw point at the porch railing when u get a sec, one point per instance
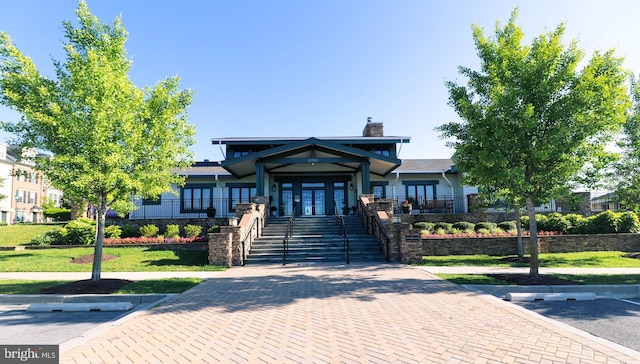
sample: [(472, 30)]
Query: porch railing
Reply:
[(166, 208)]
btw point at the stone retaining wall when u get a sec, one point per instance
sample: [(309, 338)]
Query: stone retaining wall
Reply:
[(548, 244)]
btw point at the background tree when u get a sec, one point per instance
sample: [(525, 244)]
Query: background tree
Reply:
[(627, 172), (110, 140), (531, 123)]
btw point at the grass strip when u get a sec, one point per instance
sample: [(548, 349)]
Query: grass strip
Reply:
[(148, 286), (24, 286), (604, 259), (586, 279), (129, 259)]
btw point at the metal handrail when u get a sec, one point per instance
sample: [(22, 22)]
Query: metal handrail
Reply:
[(381, 233), (342, 231), (287, 234), (249, 235), (373, 225)]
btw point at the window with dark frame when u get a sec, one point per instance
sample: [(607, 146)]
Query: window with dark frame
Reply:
[(420, 192), (240, 193), (196, 198)]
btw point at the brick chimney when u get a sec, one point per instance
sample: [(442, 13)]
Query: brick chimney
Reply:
[(372, 129)]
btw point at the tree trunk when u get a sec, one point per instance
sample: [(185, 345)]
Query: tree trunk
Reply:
[(101, 216), (533, 230), (517, 216)]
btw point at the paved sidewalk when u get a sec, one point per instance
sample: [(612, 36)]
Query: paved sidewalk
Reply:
[(341, 314), (134, 276)]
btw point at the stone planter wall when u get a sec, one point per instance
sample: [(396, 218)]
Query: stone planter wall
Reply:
[(547, 244)]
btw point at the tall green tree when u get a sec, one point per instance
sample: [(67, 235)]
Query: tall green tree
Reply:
[(627, 172), (531, 123), (110, 140)]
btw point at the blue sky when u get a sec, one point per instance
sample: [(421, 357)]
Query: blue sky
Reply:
[(316, 68)]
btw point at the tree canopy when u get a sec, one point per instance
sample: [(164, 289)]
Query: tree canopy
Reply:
[(626, 173), (110, 140), (532, 124)]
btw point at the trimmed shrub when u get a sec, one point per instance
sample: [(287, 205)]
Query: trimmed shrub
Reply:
[(149, 230), (605, 222), (81, 231), (57, 213), (628, 223), (507, 226), (52, 237), (485, 225), (214, 229), (445, 226), (556, 222), (172, 231), (576, 222), (464, 226), (112, 231), (191, 231), (129, 231), (422, 225)]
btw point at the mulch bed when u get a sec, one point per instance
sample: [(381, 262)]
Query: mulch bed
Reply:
[(103, 286), (87, 286), (88, 259)]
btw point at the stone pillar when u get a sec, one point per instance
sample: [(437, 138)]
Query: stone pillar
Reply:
[(410, 246), (406, 244), (244, 208), (220, 249)]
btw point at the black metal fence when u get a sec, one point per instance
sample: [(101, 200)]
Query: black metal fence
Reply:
[(442, 204), (176, 208)]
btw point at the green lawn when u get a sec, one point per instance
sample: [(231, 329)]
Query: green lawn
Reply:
[(588, 279), (555, 260), (171, 285), (130, 259), (21, 234)]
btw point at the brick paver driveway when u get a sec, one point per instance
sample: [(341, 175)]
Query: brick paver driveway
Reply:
[(340, 314)]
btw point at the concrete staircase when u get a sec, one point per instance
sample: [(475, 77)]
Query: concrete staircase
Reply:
[(315, 239)]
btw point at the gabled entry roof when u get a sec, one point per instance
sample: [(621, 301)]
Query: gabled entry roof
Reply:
[(311, 155)]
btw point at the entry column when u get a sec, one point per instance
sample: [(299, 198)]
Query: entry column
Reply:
[(366, 183)]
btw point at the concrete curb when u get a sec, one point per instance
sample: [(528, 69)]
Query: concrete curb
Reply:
[(530, 297), (80, 307), (610, 291), (21, 299)]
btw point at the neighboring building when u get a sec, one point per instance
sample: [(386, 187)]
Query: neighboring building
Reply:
[(608, 201), (6, 187), (23, 188), (311, 176)]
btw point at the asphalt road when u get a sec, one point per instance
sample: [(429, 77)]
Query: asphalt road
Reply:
[(617, 320), (19, 327)]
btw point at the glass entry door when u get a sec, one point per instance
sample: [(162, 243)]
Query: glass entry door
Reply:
[(313, 199), (287, 202)]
